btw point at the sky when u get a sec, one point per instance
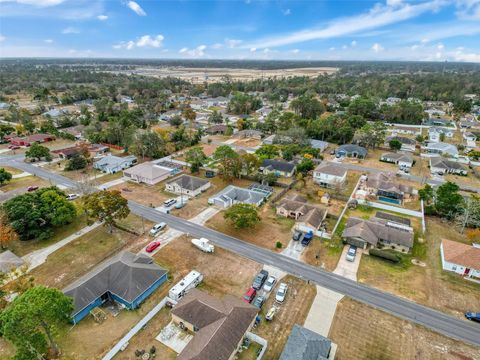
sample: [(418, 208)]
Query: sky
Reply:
[(426, 30)]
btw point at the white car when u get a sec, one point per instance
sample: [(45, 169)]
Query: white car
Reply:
[(351, 253), (72, 196), (157, 228), (269, 284), (281, 293), (169, 202)]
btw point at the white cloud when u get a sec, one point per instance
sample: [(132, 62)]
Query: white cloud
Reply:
[(379, 16), (460, 55), (231, 43), (199, 51), (253, 50), (440, 46), (415, 47), (38, 3), (48, 41), (145, 41), (468, 9), (2, 38), (344, 47), (377, 47), (295, 51), (183, 50), (332, 49), (137, 9), (286, 12), (266, 50), (70, 30), (353, 43), (217, 46), (102, 17)]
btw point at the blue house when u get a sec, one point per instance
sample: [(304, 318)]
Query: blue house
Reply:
[(126, 278)]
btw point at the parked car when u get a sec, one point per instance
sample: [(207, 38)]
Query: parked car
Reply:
[(260, 279), (473, 316), (297, 235), (270, 283), (271, 313), (281, 293), (351, 253), (307, 238), (169, 202), (250, 295), (13, 147), (152, 246), (32, 188), (259, 301), (72, 196), (157, 228)]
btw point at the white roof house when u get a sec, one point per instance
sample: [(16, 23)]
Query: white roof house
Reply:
[(112, 164), (442, 149)]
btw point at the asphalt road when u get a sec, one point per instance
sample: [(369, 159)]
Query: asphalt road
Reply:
[(447, 325)]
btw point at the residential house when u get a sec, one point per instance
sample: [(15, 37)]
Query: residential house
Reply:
[(98, 150), (440, 165), (111, 164), (187, 185), (67, 153), (219, 325), (308, 217), (9, 262), (461, 258), (235, 195), (441, 148), (148, 173), (217, 101), (30, 139), (281, 139), (329, 175), (386, 188), (126, 278), (304, 344), (407, 143), (318, 144), (277, 167), (377, 232), (405, 130), (217, 130), (76, 131), (351, 150), (435, 133), (403, 160), (249, 134), (468, 136), (54, 113), (437, 122)]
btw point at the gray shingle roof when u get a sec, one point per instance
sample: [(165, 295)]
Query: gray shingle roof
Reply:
[(188, 182), (9, 261), (352, 148), (126, 275), (278, 165), (304, 344)]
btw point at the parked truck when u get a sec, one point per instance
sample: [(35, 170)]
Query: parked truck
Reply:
[(204, 245), (192, 280), (307, 238), (473, 316)]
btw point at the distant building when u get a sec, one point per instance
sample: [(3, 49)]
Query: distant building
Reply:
[(461, 258)]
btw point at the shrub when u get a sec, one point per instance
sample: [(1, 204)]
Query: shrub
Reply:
[(278, 245), (385, 255)]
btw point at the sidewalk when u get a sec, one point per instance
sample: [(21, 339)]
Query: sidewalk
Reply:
[(38, 257)]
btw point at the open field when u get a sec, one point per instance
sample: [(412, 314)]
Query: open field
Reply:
[(428, 285), (272, 228), (24, 182), (12, 170), (212, 75), (293, 311), (364, 333)]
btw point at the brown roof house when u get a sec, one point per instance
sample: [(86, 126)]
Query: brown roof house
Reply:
[(308, 217), (385, 187), (217, 130), (461, 258), (377, 232), (219, 325)]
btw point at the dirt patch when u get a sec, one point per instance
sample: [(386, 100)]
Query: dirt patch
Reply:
[(272, 228), (362, 332), (248, 142), (293, 311)]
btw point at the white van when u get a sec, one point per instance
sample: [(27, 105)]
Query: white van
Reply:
[(169, 202), (157, 228)]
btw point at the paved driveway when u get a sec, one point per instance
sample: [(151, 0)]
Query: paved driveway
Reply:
[(348, 269)]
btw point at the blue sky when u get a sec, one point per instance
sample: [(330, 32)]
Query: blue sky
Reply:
[(428, 30)]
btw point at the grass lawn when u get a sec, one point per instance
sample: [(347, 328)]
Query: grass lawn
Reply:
[(24, 182), (272, 228), (323, 253), (11, 170), (429, 285), (22, 248), (362, 332), (251, 352)]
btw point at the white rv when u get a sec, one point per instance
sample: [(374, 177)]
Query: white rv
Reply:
[(204, 245), (192, 280)]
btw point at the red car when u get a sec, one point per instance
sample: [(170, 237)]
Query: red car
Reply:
[(14, 147), (32, 188), (152, 246), (250, 295)]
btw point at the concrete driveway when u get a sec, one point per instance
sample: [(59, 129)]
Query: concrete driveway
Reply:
[(348, 269)]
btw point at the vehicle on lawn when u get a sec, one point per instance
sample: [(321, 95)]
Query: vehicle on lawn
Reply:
[(271, 313), (260, 279), (351, 253), (32, 188), (259, 301), (192, 280), (472, 316), (72, 196), (307, 238), (169, 202), (152, 246), (204, 245), (270, 283), (157, 228), (281, 293), (250, 295)]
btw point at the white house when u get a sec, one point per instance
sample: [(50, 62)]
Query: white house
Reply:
[(400, 159), (111, 164), (461, 258), (440, 165), (407, 143), (147, 173), (434, 133), (441, 148), (187, 185), (329, 175)]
